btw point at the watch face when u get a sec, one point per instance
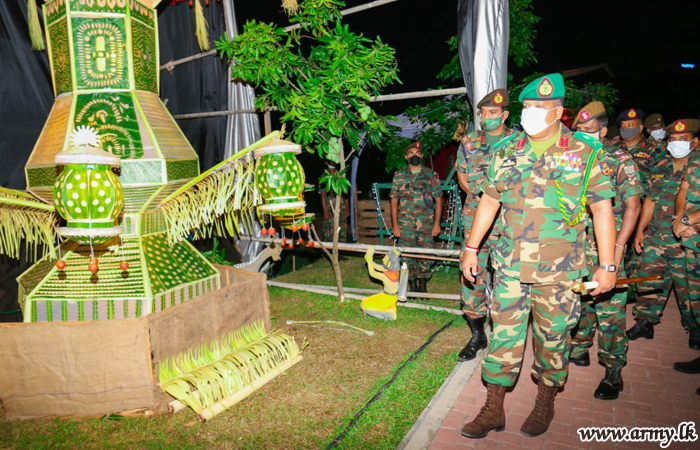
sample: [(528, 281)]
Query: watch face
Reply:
[(685, 220)]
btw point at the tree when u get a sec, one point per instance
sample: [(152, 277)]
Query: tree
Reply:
[(321, 76)]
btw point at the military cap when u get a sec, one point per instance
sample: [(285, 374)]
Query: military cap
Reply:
[(630, 114), (416, 144), (684, 126), (498, 98), (548, 87), (653, 119), (588, 112)]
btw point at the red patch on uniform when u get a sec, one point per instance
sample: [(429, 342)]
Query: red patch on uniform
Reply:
[(564, 143), (521, 144), (469, 145), (482, 138), (664, 162), (584, 115), (644, 144)]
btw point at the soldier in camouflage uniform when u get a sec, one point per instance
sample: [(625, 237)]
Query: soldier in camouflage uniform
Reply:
[(328, 199), (662, 253), (542, 180), (416, 205), (473, 157), (607, 311), (656, 129), (683, 137)]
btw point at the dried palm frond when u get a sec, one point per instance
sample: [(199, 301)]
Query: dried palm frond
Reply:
[(219, 199), (24, 218), (202, 26), (210, 377)]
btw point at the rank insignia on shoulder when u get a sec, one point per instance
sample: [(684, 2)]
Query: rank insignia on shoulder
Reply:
[(605, 168), (629, 171), (564, 142), (521, 144), (566, 161)]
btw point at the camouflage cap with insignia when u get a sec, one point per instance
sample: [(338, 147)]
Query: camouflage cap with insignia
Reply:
[(684, 126), (548, 87), (653, 119), (416, 145), (588, 112), (497, 98), (630, 114)]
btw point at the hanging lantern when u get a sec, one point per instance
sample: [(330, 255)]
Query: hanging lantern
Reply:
[(280, 178), (88, 195)]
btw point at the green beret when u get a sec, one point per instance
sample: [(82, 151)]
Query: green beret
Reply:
[(684, 126), (497, 98), (588, 112), (653, 119), (548, 87)]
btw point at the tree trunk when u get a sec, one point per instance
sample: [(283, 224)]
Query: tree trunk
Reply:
[(336, 230)]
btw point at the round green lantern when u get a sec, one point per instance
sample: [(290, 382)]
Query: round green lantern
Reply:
[(280, 178), (88, 195)]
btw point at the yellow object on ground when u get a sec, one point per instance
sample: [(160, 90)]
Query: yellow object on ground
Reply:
[(382, 306)]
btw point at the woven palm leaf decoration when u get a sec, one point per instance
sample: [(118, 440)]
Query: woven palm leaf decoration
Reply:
[(25, 218), (213, 377), (216, 200)]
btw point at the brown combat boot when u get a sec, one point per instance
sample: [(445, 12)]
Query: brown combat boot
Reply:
[(491, 417), (542, 414)]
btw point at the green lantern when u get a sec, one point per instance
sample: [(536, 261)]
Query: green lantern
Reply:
[(280, 178), (88, 195)]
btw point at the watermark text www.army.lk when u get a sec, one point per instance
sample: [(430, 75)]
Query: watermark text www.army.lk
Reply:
[(684, 432)]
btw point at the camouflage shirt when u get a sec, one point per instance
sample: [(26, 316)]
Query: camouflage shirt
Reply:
[(645, 155), (537, 245), (663, 186), (692, 199), (416, 192), (473, 157)]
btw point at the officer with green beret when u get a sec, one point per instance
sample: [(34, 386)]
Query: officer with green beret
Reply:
[(607, 311), (473, 158), (662, 252), (544, 181), (416, 205)]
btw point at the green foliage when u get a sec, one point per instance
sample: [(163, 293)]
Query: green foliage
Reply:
[(336, 182), (321, 76), (523, 32)]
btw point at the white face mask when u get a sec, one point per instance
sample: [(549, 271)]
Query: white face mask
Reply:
[(679, 149), (658, 134), (534, 120)]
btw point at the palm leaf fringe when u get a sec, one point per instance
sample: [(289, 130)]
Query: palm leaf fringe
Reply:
[(206, 378), (219, 202), (201, 26), (23, 218), (291, 7), (34, 26)]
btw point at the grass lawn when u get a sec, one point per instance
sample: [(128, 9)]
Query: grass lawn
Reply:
[(315, 400)]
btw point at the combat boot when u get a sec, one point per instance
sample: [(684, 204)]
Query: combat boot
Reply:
[(611, 386), (477, 342), (643, 328), (412, 286), (579, 356), (542, 414), (492, 415), (688, 367), (422, 285), (694, 339)]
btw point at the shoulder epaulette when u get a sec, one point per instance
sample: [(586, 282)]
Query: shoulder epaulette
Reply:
[(505, 140), (595, 143)]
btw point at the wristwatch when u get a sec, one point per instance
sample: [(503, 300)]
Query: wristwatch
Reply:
[(685, 220), (609, 268)]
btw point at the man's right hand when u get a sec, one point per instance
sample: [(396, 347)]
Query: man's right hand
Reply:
[(470, 265), (395, 230), (639, 242)]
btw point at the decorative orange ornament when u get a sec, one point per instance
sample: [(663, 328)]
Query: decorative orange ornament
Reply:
[(124, 265), (271, 231), (60, 264)]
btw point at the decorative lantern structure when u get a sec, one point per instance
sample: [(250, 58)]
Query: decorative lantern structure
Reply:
[(88, 194), (281, 180)]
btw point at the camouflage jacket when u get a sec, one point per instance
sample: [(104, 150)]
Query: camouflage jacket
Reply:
[(622, 170), (645, 155), (537, 244), (473, 158), (692, 199), (662, 188), (416, 192)]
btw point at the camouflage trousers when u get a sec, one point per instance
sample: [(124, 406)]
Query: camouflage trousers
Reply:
[(661, 257), (473, 295), (328, 224), (555, 311), (692, 264), (417, 232), (607, 313)]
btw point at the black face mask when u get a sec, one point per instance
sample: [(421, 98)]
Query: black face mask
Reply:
[(415, 160)]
